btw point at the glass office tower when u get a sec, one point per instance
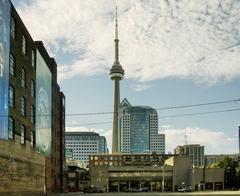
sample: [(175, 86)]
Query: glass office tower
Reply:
[(139, 129)]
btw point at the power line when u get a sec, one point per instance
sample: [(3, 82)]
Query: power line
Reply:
[(161, 108), (160, 117), (170, 116), (166, 108), (199, 113), (199, 104)]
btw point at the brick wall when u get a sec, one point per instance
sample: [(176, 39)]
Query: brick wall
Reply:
[(22, 170)]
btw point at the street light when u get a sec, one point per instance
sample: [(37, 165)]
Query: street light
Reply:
[(162, 167)]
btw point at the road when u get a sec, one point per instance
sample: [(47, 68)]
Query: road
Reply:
[(212, 193)]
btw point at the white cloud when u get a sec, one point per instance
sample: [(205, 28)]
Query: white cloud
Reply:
[(158, 39), (166, 126), (141, 86), (212, 140)]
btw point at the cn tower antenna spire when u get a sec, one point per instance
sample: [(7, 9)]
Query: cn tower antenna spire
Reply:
[(116, 40), (116, 24)]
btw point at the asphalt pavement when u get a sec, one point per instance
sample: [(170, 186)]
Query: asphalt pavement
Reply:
[(212, 193)]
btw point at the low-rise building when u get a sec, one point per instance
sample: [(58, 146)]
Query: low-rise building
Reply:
[(152, 172), (77, 176), (194, 151), (208, 178)]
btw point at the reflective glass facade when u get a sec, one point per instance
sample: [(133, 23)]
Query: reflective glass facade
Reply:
[(139, 129), (140, 132), (4, 66)]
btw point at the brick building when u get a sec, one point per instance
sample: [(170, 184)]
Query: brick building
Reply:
[(32, 155)]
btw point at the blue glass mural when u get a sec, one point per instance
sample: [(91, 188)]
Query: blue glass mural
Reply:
[(43, 107), (4, 65)]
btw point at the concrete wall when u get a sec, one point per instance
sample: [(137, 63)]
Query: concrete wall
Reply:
[(182, 169), (210, 175), (99, 177), (22, 170)]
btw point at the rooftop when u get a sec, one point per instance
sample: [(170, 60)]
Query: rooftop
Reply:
[(80, 133)]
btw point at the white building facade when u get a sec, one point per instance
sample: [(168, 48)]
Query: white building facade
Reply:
[(82, 144)]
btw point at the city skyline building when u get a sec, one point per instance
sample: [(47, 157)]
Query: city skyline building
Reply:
[(82, 144), (116, 74), (139, 129), (194, 151)]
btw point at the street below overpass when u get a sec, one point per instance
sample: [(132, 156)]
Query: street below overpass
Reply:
[(212, 193)]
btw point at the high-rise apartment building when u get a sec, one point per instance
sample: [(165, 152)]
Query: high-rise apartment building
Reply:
[(194, 151), (32, 111), (139, 129), (82, 144)]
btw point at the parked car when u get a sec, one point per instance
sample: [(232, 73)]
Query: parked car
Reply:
[(132, 190), (144, 189), (72, 189), (186, 189), (92, 190)]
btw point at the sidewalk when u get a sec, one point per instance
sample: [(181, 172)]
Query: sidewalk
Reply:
[(211, 193)]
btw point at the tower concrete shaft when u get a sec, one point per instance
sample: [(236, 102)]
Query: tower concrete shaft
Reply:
[(116, 103), (116, 74)]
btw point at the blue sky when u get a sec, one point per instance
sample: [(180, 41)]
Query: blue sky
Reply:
[(173, 52)]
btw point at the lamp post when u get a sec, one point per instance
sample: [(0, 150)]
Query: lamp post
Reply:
[(162, 178)]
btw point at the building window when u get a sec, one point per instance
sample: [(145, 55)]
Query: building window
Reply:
[(24, 45), (22, 134), (13, 28), (12, 65), (11, 127), (22, 106), (11, 96), (32, 117), (33, 59), (23, 78), (32, 139), (32, 89)]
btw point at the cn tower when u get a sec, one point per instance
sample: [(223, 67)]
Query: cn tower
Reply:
[(116, 74)]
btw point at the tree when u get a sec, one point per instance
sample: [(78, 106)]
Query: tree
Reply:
[(238, 176)]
